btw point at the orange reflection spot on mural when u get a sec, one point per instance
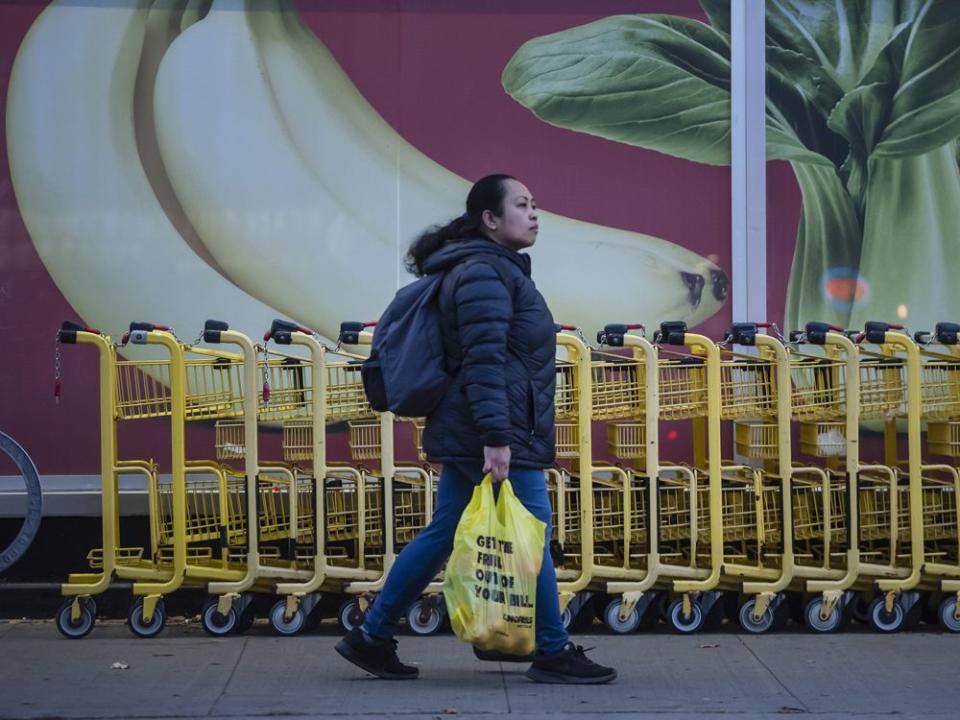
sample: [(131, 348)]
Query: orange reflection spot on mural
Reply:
[(845, 289), (842, 287)]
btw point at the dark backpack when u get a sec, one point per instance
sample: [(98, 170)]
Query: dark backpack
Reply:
[(406, 372)]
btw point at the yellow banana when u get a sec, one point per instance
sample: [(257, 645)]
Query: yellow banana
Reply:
[(676, 283), (307, 198), (290, 181), (80, 185), (273, 227)]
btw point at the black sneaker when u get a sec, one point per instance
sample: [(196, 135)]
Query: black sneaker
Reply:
[(570, 666), (377, 657), (497, 656)]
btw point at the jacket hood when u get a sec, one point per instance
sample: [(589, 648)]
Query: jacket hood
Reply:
[(452, 254)]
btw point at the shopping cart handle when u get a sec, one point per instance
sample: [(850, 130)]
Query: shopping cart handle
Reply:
[(147, 327), (610, 337), (671, 332), (67, 334), (817, 331), (622, 328), (922, 337), (280, 328), (139, 330), (795, 335), (947, 333), (350, 331), (743, 334), (612, 333), (874, 331), (212, 330)]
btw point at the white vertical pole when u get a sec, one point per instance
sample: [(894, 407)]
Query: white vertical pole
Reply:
[(748, 161)]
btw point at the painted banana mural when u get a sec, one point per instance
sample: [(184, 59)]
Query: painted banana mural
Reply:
[(176, 160)]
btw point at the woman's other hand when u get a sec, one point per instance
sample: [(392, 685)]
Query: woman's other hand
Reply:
[(496, 461)]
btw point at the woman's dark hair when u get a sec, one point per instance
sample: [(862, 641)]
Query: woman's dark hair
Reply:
[(487, 193)]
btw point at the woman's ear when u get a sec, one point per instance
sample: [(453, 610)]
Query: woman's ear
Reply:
[(489, 220)]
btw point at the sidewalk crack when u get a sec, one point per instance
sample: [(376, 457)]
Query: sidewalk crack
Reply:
[(506, 693), (774, 675), (233, 671)]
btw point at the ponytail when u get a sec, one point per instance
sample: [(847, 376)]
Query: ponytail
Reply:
[(486, 194)]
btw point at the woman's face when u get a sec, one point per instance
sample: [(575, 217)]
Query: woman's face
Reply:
[(517, 227)]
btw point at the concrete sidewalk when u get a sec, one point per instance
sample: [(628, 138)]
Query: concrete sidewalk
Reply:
[(185, 674)]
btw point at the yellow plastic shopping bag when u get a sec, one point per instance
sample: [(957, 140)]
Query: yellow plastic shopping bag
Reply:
[(490, 582)]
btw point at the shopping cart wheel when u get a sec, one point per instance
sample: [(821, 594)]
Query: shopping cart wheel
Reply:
[(350, 615), (139, 626), (751, 624), (685, 624), (882, 621), (282, 626), (832, 624), (611, 618), (424, 618), (947, 612), (83, 626), (216, 624)]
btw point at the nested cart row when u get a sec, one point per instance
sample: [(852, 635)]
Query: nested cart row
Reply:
[(769, 512), (230, 521), (777, 514)]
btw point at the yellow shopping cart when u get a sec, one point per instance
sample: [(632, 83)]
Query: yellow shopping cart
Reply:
[(940, 408), (368, 508), (348, 500), (189, 513), (758, 494), (658, 515), (891, 504), (671, 513)]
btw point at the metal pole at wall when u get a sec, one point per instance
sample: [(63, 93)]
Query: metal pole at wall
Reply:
[(748, 161)]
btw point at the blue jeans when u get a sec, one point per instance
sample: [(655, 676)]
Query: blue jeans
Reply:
[(420, 561)]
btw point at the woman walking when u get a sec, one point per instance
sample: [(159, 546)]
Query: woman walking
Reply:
[(496, 417)]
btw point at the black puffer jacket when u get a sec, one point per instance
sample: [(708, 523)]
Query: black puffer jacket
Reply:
[(500, 343)]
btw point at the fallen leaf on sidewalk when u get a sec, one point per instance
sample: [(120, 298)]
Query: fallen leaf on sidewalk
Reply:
[(787, 710), (451, 711), (120, 666), (711, 645)]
